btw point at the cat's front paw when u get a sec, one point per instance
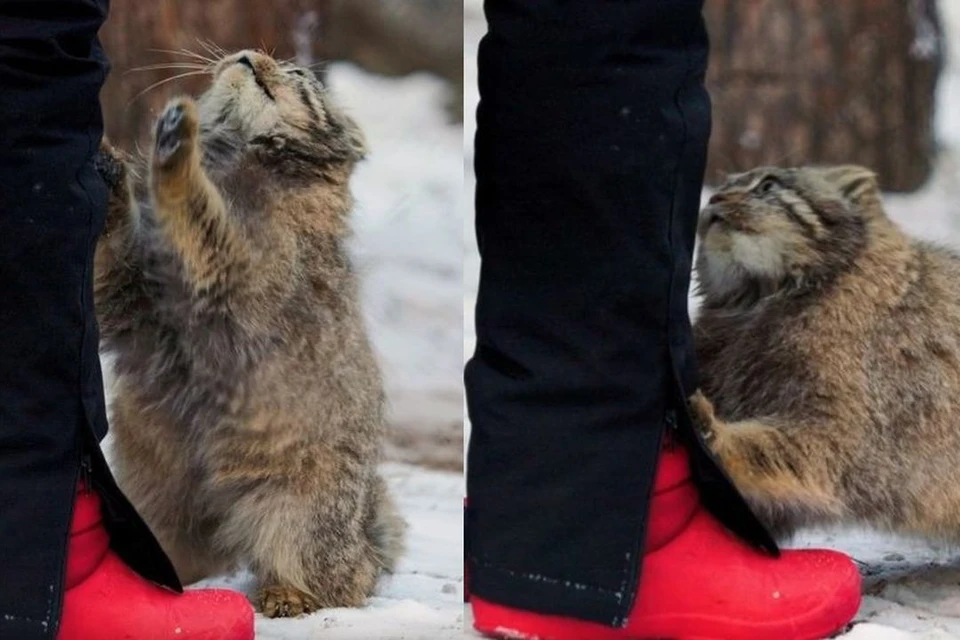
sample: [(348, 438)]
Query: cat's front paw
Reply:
[(285, 602), (705, 420), (111, 164), (176, 132)]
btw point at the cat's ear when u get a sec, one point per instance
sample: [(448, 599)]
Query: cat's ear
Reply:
[(854, 182), (351, 143), (356, 141)]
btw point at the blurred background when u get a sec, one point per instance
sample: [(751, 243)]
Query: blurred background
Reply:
[(825, 83), (397, 68), (386, 37), (794, 82)]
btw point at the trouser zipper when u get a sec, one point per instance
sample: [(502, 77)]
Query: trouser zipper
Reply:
[(86, 472), (673, 431)]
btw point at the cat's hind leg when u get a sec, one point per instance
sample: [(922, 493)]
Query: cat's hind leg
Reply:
[(193, 557), (303, 524)]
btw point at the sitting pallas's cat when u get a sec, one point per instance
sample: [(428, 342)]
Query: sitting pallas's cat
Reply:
[(829, 344), (249, 409)]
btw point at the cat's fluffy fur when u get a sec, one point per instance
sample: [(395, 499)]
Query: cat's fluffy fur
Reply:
[(249, 408), (829, 346)]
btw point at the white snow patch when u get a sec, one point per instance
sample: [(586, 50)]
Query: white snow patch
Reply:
[(870, 631), (408, 245)]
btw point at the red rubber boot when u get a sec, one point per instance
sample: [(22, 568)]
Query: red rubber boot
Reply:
[(106, 600), (699, 582)]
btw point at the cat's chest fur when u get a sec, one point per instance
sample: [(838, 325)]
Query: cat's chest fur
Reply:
[(758, 361)]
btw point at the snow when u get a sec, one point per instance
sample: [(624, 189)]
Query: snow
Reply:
[(409, 251), (911, 587)]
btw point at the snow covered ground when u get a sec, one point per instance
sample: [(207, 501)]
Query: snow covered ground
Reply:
[(912, 588)]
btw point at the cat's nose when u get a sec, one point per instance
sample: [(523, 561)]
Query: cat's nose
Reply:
[(718, 198), (247, 62), (257, 61)]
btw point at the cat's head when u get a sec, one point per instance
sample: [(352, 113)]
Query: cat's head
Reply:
[(278, 113), (772, 229)]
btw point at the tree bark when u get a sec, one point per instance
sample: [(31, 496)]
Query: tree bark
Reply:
[(822, 82)]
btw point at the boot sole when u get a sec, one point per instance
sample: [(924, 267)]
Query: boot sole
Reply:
[(837, 615)]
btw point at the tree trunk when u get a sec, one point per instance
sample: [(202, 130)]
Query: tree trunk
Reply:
[(823, 82)]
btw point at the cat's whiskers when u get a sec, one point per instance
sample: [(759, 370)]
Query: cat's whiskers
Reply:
[(171, 65), (165, 81), (187, 53), (213, 49)]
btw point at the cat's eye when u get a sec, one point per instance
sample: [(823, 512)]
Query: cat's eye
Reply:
[(766, 185), (298, 72)]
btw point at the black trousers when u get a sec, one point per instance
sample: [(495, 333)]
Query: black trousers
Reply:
[(590, 151), (52, 207)]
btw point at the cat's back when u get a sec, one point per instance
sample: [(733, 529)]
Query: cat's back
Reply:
[(912, 351)]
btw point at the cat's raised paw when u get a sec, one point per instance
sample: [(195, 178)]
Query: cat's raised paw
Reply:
[(285, 602), (176, 129)]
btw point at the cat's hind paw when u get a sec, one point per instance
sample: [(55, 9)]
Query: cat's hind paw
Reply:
[(285, 602)]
